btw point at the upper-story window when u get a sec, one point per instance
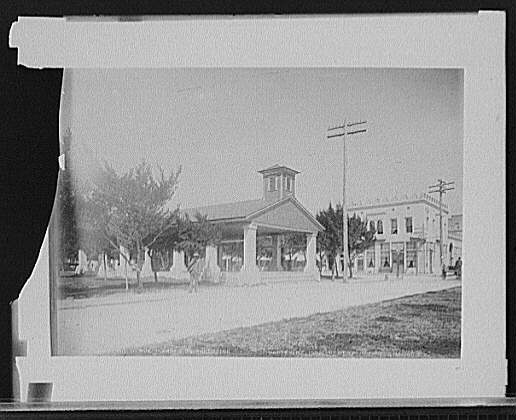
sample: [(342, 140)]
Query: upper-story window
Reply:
[(394, 226), (408, 224), (371, 225), (379, 227)]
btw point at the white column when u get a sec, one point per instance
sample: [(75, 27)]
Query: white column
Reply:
[(250, 270), (124, 269), (178, 270), (311, 266), (83, 263), (147, 265), (212, 268), (276, 252), (103, 263)]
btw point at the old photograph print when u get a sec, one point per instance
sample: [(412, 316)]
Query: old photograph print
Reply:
[(272, 212)]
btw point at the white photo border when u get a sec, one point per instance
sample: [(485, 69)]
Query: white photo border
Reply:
[(473, 42)]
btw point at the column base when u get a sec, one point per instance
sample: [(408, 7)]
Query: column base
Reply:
[(177, 274), (313, 272), (250, 277)]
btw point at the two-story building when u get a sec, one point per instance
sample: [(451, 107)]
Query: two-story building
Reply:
[(407, 234)]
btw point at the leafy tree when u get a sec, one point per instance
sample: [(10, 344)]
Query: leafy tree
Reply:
[(263, 246), (323, 238), (185, 234), (360, 237), (199, 234), (92, 236), (291, 243), (330, 240), (132, 208), (66, 205)]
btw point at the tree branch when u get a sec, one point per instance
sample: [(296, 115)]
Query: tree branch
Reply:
[(162, 230), (116, 247)]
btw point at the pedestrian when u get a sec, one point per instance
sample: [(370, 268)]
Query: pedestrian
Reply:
[(458, 266), (195, 268)]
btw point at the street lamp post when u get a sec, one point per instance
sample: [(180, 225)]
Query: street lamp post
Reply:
[(343, 134)]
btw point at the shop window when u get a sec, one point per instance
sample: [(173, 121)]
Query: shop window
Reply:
[(370, 257), (385, 256), (411, 255)]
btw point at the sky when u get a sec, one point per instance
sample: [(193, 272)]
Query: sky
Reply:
[(223, 125)]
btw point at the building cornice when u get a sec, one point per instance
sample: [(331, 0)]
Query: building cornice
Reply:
[(424, 199)]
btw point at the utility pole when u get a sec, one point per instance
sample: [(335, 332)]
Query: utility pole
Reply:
[(441, 187), (344, 132)]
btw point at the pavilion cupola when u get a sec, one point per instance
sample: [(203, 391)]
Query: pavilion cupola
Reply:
[(278, 182)]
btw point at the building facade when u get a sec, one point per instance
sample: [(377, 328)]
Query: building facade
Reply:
[(407, 235)]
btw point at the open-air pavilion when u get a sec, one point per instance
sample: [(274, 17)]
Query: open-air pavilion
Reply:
[(255, 233)]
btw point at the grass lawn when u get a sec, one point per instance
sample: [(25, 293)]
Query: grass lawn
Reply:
[(420, 326)]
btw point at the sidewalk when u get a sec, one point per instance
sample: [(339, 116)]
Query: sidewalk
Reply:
[(100, 326), (390, 276)]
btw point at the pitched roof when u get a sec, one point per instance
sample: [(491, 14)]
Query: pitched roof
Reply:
[(234, 210), (249, 209), (277, 166)]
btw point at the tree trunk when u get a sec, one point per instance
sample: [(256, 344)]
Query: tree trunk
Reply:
[(138, 264), (138, 279), (104, 262), (335, 268), (350, 265), (151, 255)]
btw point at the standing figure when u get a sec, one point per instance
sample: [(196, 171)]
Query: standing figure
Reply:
[(458, 268), (195, 268)]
